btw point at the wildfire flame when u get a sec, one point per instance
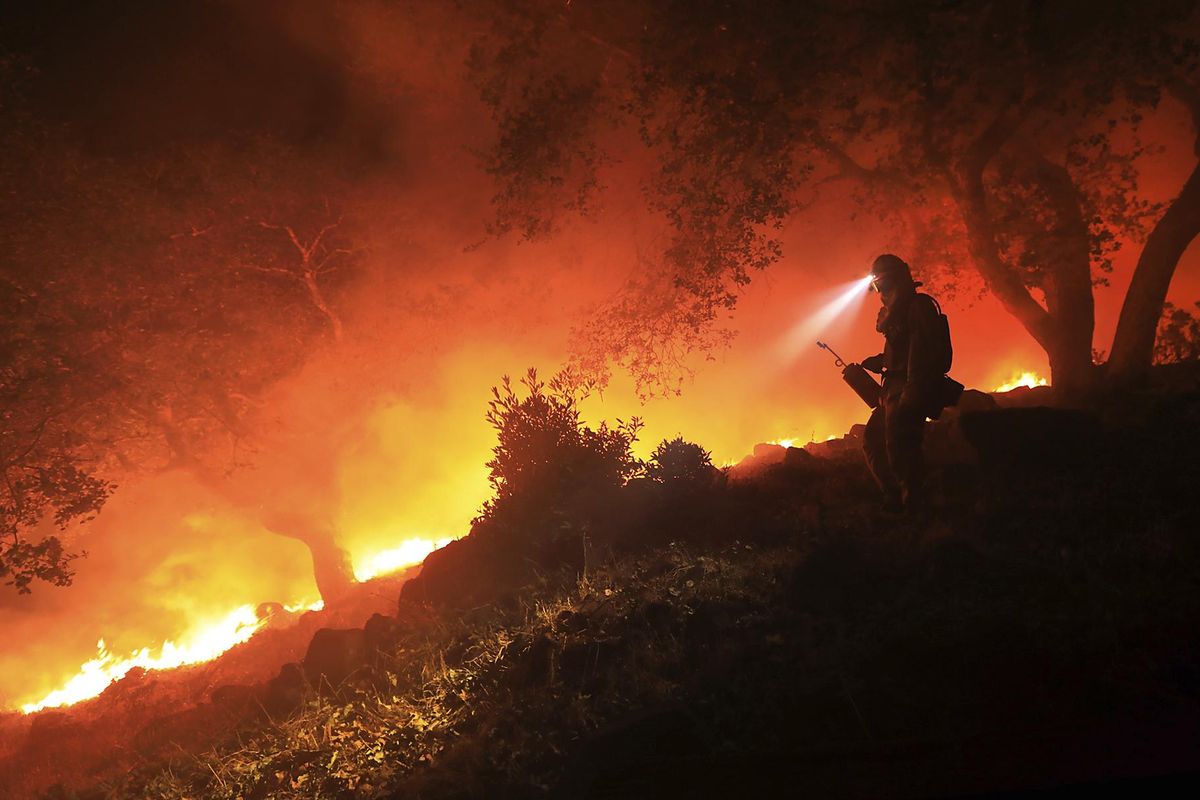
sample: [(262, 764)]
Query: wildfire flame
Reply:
[(1022, 380), (792, 442), (204, 643), (210, 639), (412, 551)]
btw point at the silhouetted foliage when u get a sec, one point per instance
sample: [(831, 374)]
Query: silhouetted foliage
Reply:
[(677, 461), (48, 462), (1178, 336), (1001, 135), (545, 451)]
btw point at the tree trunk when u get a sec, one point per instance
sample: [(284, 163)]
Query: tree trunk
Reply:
[(1071, 369), (1070, 304), (1066, 336), (331, 569), (1133, 343), (331, 563)]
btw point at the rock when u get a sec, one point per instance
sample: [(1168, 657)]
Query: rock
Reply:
[(945, 444), (975, 400), (848, 446), (285, 692), (1025, 397), (765, 453), (1034, 439), (382, 632), (763, 456), (334, 655), (274, 615), (798, 457), (469, 572)]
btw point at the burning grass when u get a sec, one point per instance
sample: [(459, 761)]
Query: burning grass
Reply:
[(208, 640), (1018, 380)]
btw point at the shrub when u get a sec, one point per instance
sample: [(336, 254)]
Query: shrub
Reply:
[(679, 461), (545, 452)]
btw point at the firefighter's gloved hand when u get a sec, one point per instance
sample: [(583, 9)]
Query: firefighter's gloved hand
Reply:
[(873, 364), (881, 319)]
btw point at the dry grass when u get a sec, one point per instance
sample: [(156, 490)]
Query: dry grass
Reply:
[(495, 694)]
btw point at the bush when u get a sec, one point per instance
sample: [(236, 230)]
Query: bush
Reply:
[(545, 452), (678, 461)]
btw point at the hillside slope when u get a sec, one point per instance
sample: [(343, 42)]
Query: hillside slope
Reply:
[(766, 632)]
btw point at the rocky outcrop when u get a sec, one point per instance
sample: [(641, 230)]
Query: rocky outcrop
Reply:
[(334, 655), (285, 692)]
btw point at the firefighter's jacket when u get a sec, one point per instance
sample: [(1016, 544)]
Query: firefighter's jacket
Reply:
[(912, 353)]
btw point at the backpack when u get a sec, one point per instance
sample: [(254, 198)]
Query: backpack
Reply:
[(943, 355)]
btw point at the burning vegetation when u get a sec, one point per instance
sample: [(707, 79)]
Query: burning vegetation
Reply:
[(264, 266)]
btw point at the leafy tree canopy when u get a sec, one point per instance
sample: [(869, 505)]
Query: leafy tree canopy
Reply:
[(1000, 136)]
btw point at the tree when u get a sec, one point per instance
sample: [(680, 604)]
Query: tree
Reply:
[(1001, 135), (1134, 342), (47, 472), (150, 304), (1178, 336)]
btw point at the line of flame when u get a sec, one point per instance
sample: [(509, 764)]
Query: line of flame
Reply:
[(205, 643), (411, 551), (1027, 380), (209, 641)]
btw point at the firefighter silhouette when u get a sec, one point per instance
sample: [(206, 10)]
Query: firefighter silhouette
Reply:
[(916, 357)]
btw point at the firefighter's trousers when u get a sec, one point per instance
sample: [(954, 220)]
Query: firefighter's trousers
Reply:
[(892, 444)]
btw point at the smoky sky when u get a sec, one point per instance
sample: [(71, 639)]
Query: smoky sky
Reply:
[(141, 75)]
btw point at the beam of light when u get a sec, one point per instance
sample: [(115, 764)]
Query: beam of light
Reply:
[(841, 303)]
